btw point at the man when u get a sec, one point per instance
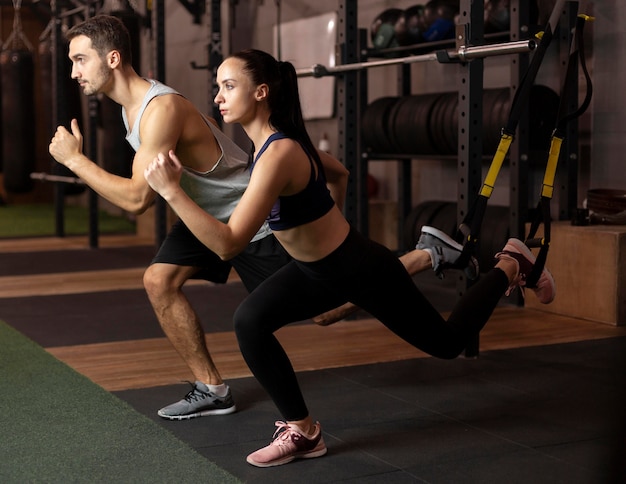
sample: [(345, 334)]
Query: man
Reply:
[(158, 119)]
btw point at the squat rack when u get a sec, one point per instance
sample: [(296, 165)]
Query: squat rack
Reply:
[(469, 54), (352, 100)]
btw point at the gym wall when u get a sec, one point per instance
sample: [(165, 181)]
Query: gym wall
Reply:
[(601, 129)]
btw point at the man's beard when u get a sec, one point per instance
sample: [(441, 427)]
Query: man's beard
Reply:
[(103, 76)]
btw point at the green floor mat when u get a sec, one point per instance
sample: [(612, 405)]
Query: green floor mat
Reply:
[(59, 427), (34, 220)]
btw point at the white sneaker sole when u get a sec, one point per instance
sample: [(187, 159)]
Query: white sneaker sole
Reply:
[(204, 413), (445, 238)]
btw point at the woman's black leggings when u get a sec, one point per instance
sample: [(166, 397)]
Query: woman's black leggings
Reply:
[(370, 276)]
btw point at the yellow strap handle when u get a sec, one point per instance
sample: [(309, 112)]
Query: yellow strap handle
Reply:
[(553, 159), (496, 164)]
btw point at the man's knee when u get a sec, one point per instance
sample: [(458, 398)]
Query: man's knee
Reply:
[(159, 279), (151, 280)]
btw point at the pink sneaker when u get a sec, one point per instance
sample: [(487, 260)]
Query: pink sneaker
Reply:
[(289, 443), (516, 249)]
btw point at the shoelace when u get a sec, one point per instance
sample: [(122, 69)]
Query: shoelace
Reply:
[(282, 433), (195, 393), (519, 280)]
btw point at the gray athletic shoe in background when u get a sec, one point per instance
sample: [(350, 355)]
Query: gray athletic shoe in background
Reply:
[(444, 252), (198, 403)]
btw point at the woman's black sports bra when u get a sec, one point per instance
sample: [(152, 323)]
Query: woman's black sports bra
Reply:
[(300, 208)]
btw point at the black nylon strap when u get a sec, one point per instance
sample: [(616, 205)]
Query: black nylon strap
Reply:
[(577, 52)]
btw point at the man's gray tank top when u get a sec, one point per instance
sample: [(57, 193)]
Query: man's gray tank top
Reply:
[(218, 190)]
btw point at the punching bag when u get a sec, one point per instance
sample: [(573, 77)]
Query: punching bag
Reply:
[(18, 109)]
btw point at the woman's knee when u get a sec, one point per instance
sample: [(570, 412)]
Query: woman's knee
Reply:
[(245, 321), (252, 325)]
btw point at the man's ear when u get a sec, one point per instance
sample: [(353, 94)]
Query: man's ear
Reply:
[(262, 91), (114, 59)]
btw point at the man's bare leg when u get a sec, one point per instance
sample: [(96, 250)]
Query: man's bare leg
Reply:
[(414, 261), (180, 323), (209, 394)]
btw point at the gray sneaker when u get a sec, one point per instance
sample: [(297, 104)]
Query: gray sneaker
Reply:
[(198, 403), (444, 252)]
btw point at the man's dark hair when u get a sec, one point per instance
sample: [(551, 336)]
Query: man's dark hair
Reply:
[(107, 33)]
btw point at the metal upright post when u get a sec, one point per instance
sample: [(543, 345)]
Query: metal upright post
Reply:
[(567, 171), (519, 150), (158, 26), (59, 109), (470, 86), (215, 54), (405, 170), (93, 107), (349, 102)]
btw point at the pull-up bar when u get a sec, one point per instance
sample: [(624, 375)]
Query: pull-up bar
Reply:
[(57, 178), (462, 54)]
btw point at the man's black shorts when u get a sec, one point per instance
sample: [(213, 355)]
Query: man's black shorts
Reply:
[(258, 261)]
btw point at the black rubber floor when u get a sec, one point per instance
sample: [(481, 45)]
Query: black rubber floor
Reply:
[(72, 260), (75, 319), (551, 414)]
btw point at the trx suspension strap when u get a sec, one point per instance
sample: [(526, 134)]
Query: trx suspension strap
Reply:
[(470, 227), (577, 52)]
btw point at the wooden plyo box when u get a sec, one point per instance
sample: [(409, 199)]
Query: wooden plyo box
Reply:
[(589, 267)]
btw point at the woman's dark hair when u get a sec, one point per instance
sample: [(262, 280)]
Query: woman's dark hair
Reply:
[(283, 98), (107, 33)]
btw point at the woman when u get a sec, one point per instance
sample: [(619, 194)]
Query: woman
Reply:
[(332, 263)]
